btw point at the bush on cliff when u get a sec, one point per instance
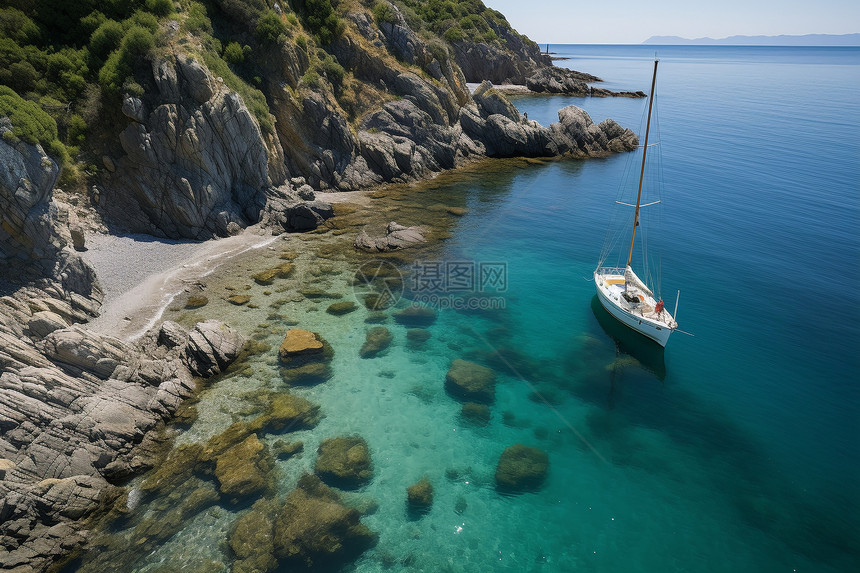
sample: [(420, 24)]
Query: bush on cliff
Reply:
[(270, 28), (29, 122), (320, 19), (137, 43)]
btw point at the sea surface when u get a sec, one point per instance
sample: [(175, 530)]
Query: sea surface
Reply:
[(735, 449)]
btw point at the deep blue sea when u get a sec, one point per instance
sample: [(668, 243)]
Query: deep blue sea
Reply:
[(735, 449)]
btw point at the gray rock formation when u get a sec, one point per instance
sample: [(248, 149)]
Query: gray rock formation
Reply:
[(396, 237), (26, 181), (77, 411), (289, 211), (211, 347), (496, 126), (194, 157)]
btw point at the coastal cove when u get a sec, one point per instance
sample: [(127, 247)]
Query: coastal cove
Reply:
[(734, 450)]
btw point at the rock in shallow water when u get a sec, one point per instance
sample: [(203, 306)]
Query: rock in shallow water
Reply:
[(521, 468), (396, 237), (211, 347), (344, 461), (472, 382), (419, 496), (376, 341)]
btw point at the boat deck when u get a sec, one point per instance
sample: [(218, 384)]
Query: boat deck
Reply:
[(613, 288)]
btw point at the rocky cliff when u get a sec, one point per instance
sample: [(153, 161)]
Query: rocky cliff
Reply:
[(379, 103)]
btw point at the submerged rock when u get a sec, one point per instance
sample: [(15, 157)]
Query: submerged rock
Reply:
[(419, 496), (268, 276), (478, 414), (315, 530), (415, 316), (376, 341), (416, 337), (521, 468), (471, 382), (252, 539), (245, 469), (307, 374), (344, 461), (340, 308)]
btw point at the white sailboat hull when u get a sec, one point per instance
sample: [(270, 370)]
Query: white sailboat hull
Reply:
[(641, 318)]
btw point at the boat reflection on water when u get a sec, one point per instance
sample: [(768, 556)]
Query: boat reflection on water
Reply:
[(628, 342)]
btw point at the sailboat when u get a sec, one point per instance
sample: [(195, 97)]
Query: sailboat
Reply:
[(621, 292)]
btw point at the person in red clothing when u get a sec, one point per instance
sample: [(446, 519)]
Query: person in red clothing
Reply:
[(659, 308)]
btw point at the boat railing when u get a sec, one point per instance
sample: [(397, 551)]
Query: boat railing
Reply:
[(611, 270)]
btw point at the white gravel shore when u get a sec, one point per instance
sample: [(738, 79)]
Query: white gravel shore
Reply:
[(141, 275)]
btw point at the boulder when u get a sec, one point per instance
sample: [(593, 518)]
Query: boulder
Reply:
[(171, 334), (44, 323), (244, 469), (341, 308), (478, 414), (471, 382), (376, 341), (211, 347), (521, 468), (415, 316), (78, 350), (268, 276), (396, 237), (314, 530), (419, 496), (298, 342), (344, 461)]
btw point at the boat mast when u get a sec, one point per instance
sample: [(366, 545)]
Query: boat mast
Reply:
[(642, 171)]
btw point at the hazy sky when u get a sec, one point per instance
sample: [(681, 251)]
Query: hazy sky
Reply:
[(632, 22)]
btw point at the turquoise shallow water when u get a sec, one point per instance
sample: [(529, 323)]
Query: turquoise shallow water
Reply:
[(735, 450)]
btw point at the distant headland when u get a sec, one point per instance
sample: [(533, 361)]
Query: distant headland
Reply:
[(782, 40)]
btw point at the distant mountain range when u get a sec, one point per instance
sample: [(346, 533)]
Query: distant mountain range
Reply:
[(784, 40)]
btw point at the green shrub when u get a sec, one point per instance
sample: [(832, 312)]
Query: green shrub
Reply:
[(160, 7), (29, 122), (141, 20), (76, 129), (106, 39), (16, 25), (320, 18), (233, 54), (269, 28), (333, 71), (23, 76), (137, 43), (454, 34), (197, 22), (91, 22), (245, 11), (383, 12)]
